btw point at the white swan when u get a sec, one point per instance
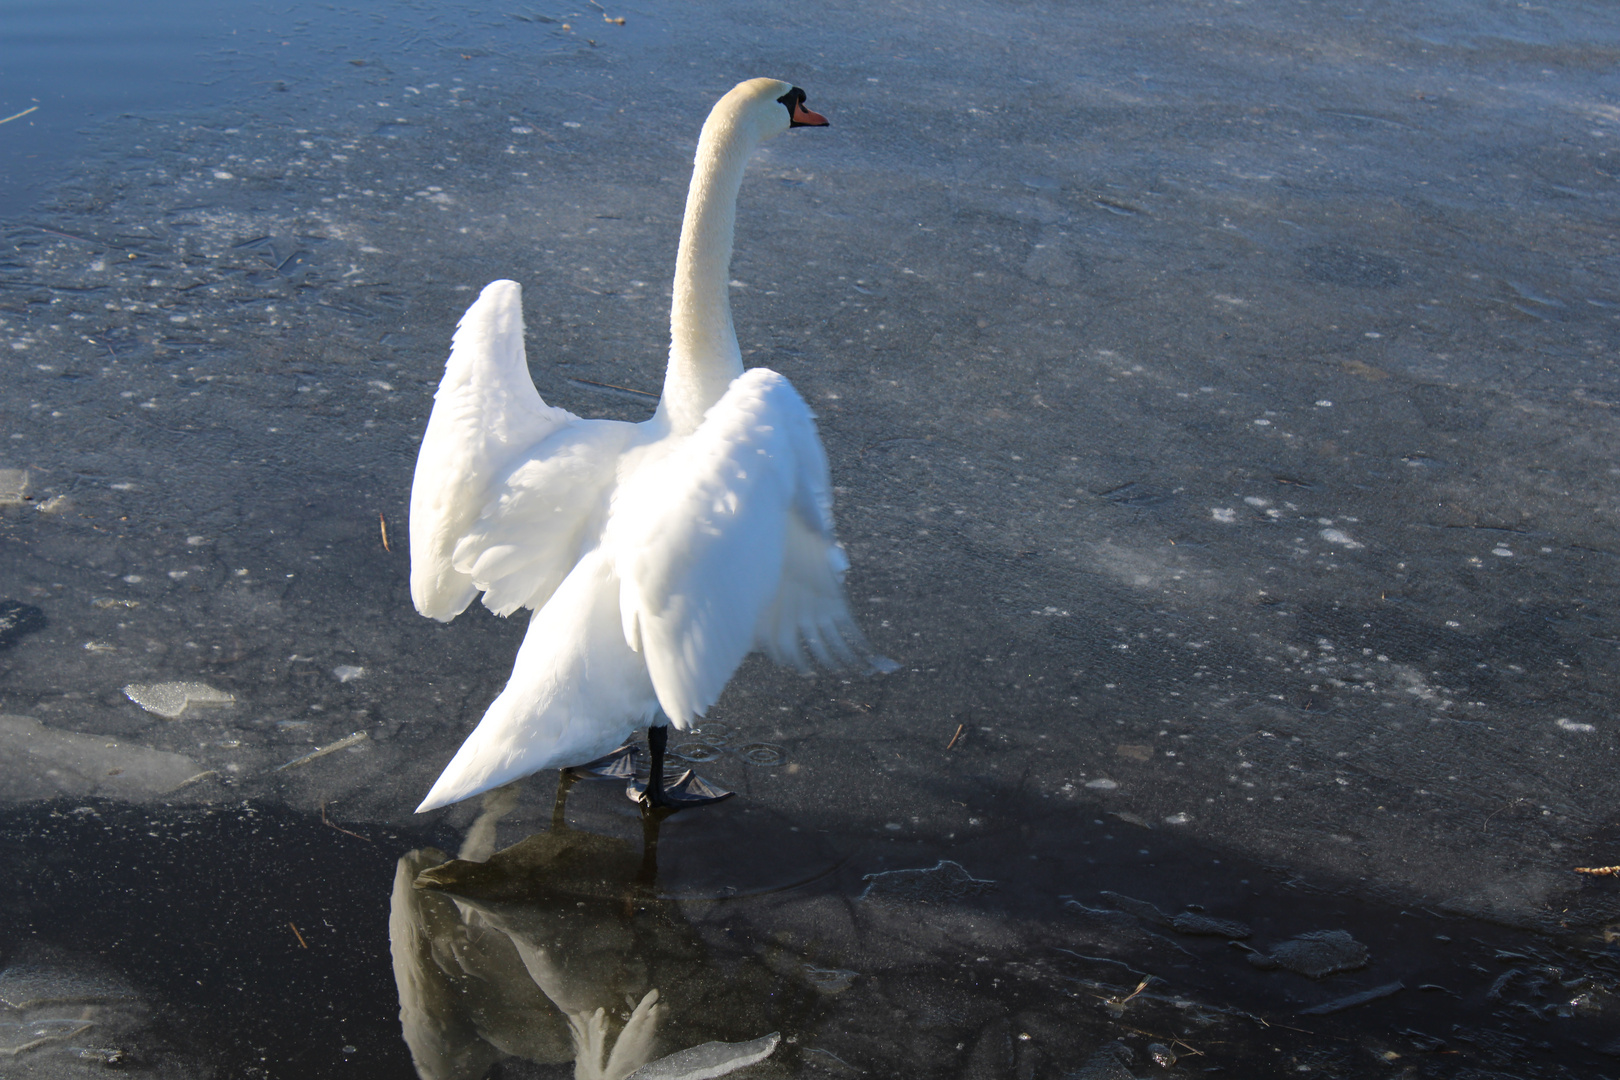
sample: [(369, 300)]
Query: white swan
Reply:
[(656, 555)]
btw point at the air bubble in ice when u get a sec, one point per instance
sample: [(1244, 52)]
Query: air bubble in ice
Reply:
[(762, 754), (170, 700), (717, 732), (348, 672), (697, 751)]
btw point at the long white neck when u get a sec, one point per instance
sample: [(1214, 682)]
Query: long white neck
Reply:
[(703, 353)]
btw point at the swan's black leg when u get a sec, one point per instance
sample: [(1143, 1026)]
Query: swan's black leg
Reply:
[(687, 790)]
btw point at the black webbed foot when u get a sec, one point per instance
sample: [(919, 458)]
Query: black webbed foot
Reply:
[(687, 790), (619, 765)]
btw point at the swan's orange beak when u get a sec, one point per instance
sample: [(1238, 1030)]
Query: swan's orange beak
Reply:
[(803, 117)]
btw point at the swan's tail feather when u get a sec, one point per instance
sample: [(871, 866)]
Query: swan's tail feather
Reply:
[(576, 692)]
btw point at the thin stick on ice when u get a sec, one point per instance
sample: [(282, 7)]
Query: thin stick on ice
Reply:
[(342, 744)]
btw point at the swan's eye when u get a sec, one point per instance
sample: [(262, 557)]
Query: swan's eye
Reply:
[(798, 115)]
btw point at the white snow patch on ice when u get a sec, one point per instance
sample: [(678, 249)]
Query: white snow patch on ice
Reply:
[(1340, 537)]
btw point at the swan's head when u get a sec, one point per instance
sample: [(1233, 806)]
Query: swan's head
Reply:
[(765, 108)]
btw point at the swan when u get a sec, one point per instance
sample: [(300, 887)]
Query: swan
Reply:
[(655, 556)]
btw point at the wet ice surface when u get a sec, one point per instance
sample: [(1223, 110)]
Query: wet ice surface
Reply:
[(1221, 403)]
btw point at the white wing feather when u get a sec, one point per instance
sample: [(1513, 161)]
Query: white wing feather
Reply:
[(726, 545), (509, 492), (486, 411), (543, 515)]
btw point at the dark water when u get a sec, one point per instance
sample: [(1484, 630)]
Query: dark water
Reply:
[(1221, 399), (249, 941)]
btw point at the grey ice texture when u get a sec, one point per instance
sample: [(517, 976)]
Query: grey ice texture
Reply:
[(947, 880), (37, 762), (63, 1017), (829, 980)]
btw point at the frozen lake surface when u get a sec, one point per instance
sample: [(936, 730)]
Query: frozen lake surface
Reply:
[(1222, 402)]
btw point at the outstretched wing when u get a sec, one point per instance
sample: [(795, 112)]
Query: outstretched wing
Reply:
[(727, 545), (486, 413)]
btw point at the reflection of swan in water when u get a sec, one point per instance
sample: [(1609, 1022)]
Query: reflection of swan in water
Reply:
[(549, 950)]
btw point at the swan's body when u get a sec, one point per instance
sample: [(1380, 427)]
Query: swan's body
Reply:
[(655, 555)]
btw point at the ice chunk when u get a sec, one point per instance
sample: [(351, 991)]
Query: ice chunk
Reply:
[(13, 486), (1340, 537), (708, 1060), (348, 672), (34, 982), (16, 1039), (37, 762), (945, 881), (17, 619), (1316, 954), (171, 699)]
